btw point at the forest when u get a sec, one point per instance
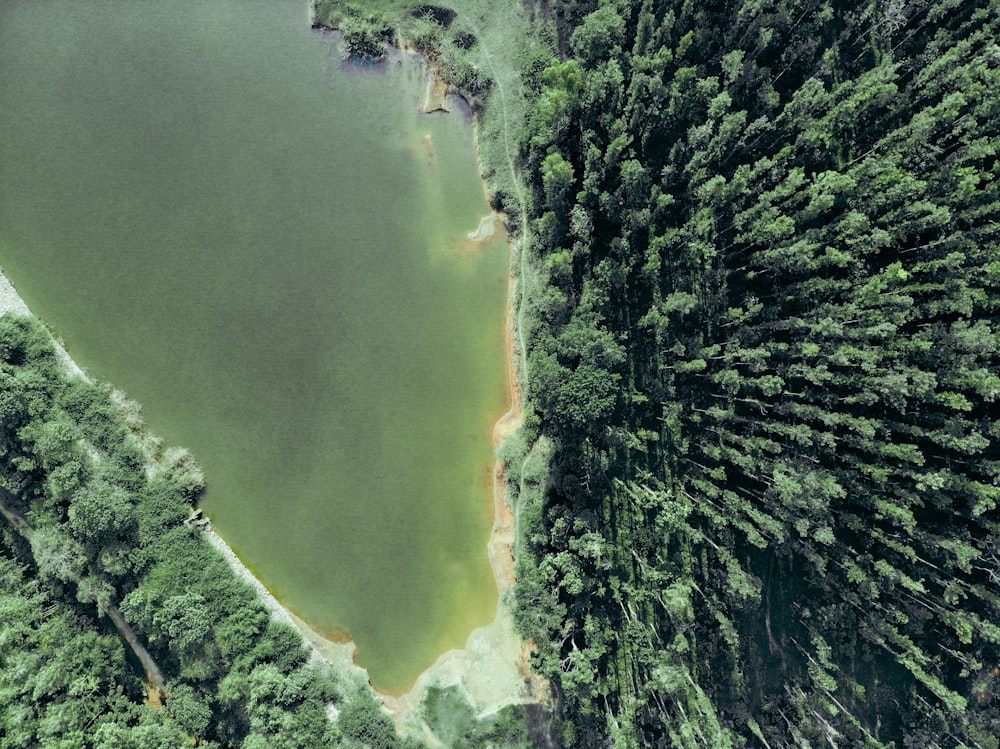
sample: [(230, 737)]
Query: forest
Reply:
[(759, 506), (757, 484)]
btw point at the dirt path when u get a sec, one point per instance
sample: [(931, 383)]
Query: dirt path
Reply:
[(155, 683)]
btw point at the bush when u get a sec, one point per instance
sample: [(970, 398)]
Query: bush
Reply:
[(423, 34), (365, 37), (363, 720)]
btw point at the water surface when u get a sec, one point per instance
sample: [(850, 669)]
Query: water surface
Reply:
[(264, 248)]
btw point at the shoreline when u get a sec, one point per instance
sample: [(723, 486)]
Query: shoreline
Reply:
[(491, 671), (11, 301)]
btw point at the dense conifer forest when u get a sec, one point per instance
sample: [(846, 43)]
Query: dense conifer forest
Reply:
[(758, 481), (762, 505)]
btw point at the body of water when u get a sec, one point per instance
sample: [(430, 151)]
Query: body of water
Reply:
[(264, 247)]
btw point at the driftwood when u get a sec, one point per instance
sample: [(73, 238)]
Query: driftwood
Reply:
[(197, 519)]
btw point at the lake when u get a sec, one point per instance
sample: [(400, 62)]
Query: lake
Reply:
[(266, 248)]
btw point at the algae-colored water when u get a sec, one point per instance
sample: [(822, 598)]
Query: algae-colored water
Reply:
[(264, 248)]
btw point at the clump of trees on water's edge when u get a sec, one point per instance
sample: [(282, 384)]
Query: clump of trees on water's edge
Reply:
[(366, 36), (431, 29), (761, 508)]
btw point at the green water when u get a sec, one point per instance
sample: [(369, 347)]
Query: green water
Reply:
[(257, 244)]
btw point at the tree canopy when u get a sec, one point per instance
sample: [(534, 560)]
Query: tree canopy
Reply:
[(764, 350)]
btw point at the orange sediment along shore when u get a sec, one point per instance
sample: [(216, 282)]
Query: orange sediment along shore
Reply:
[(502, 538), (493, 670)]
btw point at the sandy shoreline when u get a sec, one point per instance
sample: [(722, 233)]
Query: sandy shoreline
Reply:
[(10, 300), (341, 655)]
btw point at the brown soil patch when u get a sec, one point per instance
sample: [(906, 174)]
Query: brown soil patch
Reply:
[(435, 94), (502, 539), (154, 697)]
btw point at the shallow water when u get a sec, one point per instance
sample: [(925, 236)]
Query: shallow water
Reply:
[(263, 246)]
